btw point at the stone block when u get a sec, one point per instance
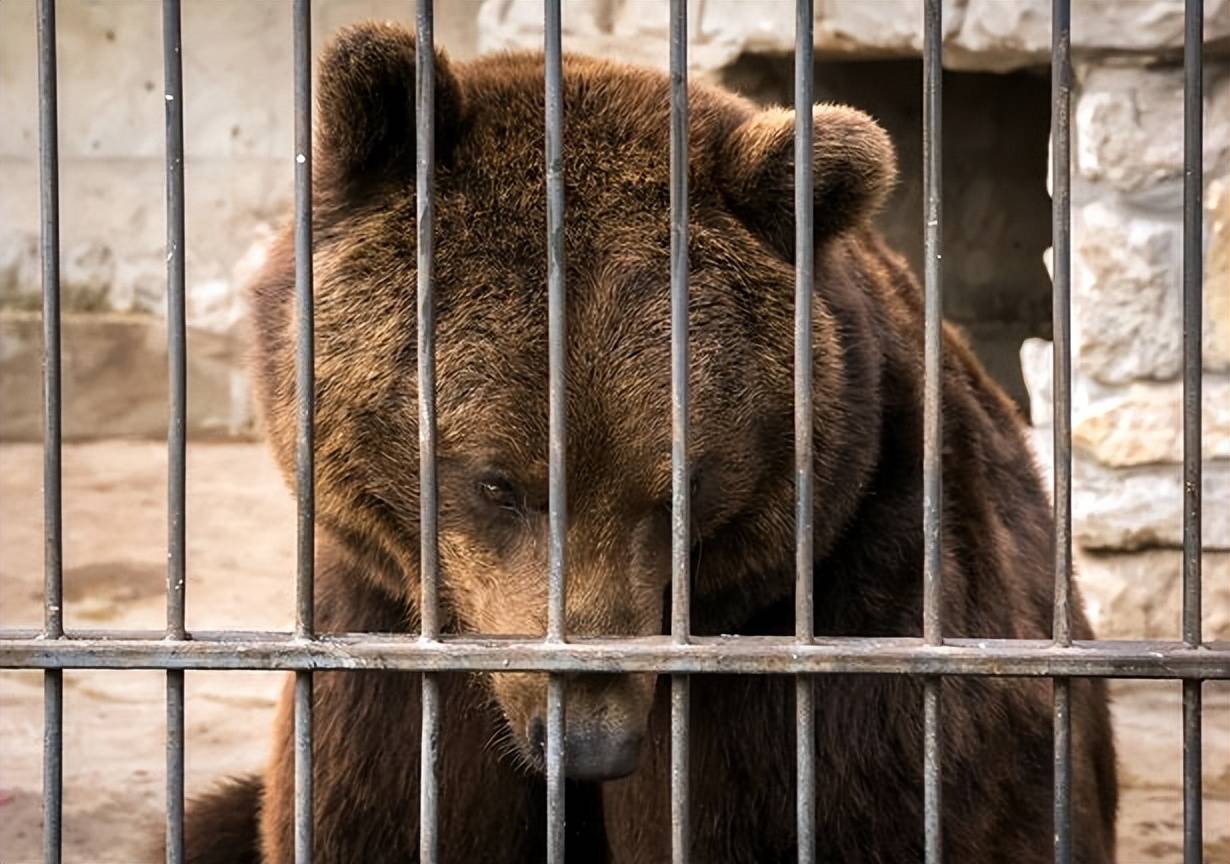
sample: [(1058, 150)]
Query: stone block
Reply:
[(1142, 506), (1127, 309), (1140, 595), (1128, 130), (1143, 424), (1217, 277)]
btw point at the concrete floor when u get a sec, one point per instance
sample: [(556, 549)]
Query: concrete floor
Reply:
[(240, 566)]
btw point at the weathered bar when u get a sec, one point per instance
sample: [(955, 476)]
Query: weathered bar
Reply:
[(429, 552), (305, 473), (753, 655), (933, 423), (1193, 279), (177, 370), (804, 412), (53, 560), (1061, 316), (557, 397), (681, 546)]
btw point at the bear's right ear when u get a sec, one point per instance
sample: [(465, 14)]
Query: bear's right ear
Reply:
[(366, 105), (853, 171)]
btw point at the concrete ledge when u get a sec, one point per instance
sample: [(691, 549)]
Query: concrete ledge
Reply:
[(115, 379)]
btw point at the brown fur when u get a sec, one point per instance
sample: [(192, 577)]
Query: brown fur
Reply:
[(490, 268)]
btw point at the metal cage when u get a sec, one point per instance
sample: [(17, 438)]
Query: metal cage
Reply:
[(678, 654)]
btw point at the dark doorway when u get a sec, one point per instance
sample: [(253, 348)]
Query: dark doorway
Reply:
[(997, 213)]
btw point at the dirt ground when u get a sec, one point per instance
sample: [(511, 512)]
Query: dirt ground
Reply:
[(240, 573)]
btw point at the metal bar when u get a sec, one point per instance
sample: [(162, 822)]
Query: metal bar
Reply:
[(1061, 311), (933, 348), (1061, 219), (1193, 799), (555, 769), (425, 165), (176, 328), (774, 655), (53, 763), (933, 837), (304, 825), (175, 766), (1063, 770), (1193, 279), (429, 771), (53, 561), (681, 504), (177, 369), (429, 550), (557, 395), (558, 419), (804, 278), (933, 423), (305, 442)]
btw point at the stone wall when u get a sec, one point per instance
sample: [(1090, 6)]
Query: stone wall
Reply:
[(1127, 229), (238, 178)]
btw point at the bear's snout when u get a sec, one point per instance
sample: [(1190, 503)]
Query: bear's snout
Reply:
[(605, 721), (592, 751)]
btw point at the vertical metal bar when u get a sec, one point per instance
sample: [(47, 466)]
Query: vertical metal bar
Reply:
[(304, 827), (177, 364), (804, 268), (53, 596), (1061, 219), (1193, 278), (933, 428), (681, 504), (558, 419), (425, 163), (429, 566), (305, 443)]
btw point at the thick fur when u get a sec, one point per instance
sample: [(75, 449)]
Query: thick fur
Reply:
[(491, 309)]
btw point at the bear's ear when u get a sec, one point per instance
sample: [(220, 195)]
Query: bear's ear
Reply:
[(854, 168), (366, 105)]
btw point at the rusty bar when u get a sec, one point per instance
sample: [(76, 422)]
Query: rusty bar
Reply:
[(681, 504), (177, 359), (1061, 218), (304, 824), (429, 552), (425, 165), (557, 396), (933, 276), (53, 561), (1061, 312), (177, 363), (305, 441), (1193, 279), (775, 655), (804, 278), (557, 334), (933, 423)]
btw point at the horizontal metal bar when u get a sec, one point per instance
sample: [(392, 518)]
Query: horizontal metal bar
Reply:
[(24, 649)]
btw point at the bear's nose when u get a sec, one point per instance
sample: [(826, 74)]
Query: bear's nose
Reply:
[(592, 752), (600, 754)]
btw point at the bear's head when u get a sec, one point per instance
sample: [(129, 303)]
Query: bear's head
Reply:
[(492, 358)]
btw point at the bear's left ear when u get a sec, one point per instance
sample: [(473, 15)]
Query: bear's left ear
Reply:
[(366, 105), (854, 168)]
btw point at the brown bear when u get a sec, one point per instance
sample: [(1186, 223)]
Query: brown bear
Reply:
[(490, 269)]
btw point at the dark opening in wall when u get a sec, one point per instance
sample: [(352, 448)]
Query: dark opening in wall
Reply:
[(997, 213)]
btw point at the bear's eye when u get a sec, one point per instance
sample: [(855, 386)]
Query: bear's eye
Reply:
[(499, 492)]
